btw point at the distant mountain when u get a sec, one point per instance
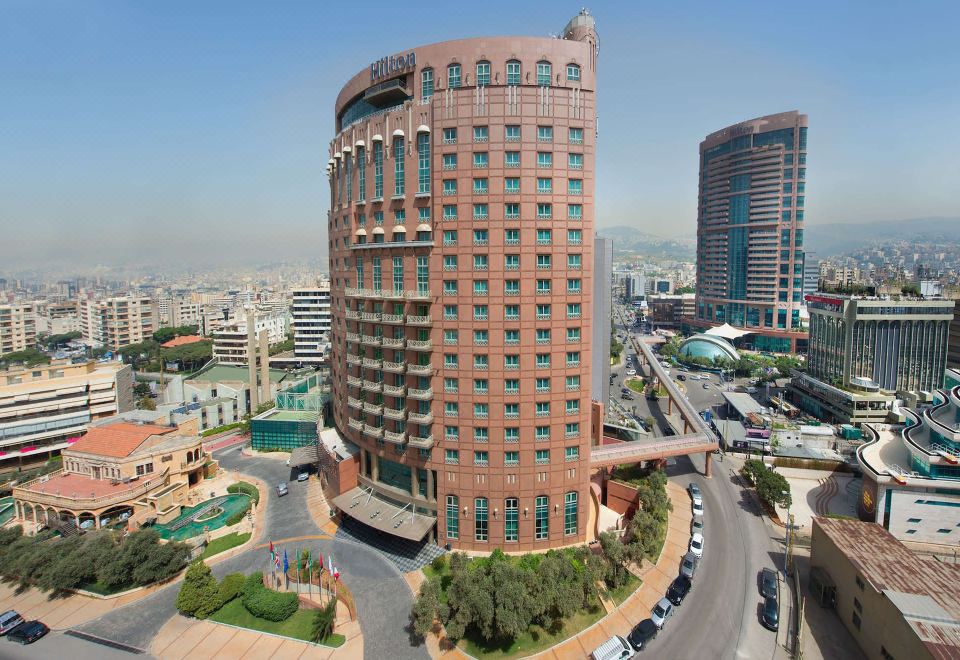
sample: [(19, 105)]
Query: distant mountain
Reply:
[(840, 238), (631, 239)]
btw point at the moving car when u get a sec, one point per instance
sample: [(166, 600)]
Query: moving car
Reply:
[(706, 386), (681, 377), (768, 583), (696, 545), (282, 490), (770, 616), (626, 395), (303, 476), (9, 620), (662, 611), (679, 589), (688, 567), (615, 648), (28, 632), (696, 525), (698, 508), (642, 633)]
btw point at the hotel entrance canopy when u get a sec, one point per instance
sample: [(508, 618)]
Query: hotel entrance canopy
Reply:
[(363, 505)]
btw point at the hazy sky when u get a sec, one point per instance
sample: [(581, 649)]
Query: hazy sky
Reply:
[(191, 131)]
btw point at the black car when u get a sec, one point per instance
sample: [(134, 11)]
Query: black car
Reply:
[(770, 617), (768, 583), (679, 589), (681, 377), (642, 633), (28, 632)]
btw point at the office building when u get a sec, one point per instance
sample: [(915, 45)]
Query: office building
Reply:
[(750, 230), (602, 311), (669, 311), (230, 343), (894, 602), (113, 323), (863, 351), (44, 408), (461, 258), (953, 341), (18, 327), (311, 323), (811, 273)]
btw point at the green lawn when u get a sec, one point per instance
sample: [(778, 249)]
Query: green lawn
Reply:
[(298, 626), (103, 590), (636, 385), (536, 639), (620, 594), (232, 540)]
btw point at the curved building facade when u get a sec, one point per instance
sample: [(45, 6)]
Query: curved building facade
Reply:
[(750, 229), (461, 251), (708, 346)]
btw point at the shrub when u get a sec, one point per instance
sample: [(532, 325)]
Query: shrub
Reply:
[(265, 603), (230, 587), (439, 563), (323, 621), (199, 596), (245, 488), (238, 516)]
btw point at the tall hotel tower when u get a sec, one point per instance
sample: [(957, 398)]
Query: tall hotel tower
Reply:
[(461, 258), (750, 229)]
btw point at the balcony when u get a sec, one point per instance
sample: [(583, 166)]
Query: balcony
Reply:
[(420, 369), (394, 367), (419, 320), (421, 443), (395, 438), (420, 418), (372, 317), (394, 413), (373, 431), (353, 381), (372, 386), (355, 424), (419, 344), (417, 295), (512, 241), (393, 342), (354, 359), (352, 315), (373, 408), (351, 292), (371, 341), (573, 388), (422, 395), (511, 415), (372, 363), (393, 319), (396, 294), (571, 434), (355, 403), (394, 390)]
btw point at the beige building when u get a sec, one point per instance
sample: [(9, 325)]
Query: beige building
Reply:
[(896, 604), (44, 408), (18, 327), (230, 343), (120, 473), (118, 322)]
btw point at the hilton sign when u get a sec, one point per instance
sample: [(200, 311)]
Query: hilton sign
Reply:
[(392, 64)]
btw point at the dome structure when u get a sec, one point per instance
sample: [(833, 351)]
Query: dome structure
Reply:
[(708, 346)]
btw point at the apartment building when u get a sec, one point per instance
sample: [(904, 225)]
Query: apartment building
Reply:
[(311, 322), (117, 322), (18, 327), (230, 343)]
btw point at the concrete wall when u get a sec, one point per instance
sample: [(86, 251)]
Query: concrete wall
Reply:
[(912, 518), (622, 498)]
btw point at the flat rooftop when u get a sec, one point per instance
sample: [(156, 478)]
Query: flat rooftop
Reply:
[(80, 486), (226, 373), (743, 403), (275, 415)]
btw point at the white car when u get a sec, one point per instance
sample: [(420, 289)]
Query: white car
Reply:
[(698, 507), (696, 545), (631, 371), (662, 611)]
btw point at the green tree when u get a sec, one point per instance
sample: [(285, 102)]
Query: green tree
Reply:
[(164, 560), (426, 608), (141, 390), (513, 606), (147, 403), (324, 620), (199, 595), (617, 556)]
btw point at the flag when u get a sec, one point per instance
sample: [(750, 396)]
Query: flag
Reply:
[(271, 551), (320, 561), (286, 564)]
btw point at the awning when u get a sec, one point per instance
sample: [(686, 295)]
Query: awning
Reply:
[(397, 132), (423, 128), (399, 229), (306, 455), (363, 505), (727, 331), (377, 138), (361, 232), (378, 230), (347, 149), (359, 144), (423, 226), (331, 162), (338, 155)]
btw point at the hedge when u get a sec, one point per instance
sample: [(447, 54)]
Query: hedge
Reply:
[(266, 604), (220, 429), (245, 488), (230, 587)]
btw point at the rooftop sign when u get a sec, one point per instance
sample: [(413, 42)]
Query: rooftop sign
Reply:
[(392, 64)]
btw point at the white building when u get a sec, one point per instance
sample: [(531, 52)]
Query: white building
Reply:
[(311, 322), (18, 327), (230, 341)]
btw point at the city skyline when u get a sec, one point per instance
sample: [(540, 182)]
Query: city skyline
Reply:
[(204, 128)]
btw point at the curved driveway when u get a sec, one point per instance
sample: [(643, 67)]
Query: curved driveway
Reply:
[(382, 595)]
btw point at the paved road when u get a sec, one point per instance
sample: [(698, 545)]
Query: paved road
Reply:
[(63, 647), (382, 596)]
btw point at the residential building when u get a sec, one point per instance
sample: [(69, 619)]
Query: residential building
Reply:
[(117, 322), (230, 343), (811, 273), (750, 229), (119, 475), (602, 312), (18, 327), (894, 602), (461, 262), (46, 407), (57, 318), (311, 323), (953, 340)]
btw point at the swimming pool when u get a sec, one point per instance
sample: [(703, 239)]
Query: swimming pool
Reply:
[(6, 509), (184, 526)]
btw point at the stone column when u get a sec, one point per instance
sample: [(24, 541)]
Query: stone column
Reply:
[(430, 486), (707, 464), (414, 482)]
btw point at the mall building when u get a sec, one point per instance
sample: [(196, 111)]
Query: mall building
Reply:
[(461, 262)]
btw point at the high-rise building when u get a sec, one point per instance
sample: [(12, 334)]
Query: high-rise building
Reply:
[(750, 229), (811, 273), (461, 259), (953, 347), (117, 322), (18, 327), (602, 310), (311, 322)]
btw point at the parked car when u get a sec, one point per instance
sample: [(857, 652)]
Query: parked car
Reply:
[(642, 633), (696, 545), (768, 583), (679, 589), (631, 371), (694, 490), (770, 616), (688, 567), (626, 396), (303, 476), (662, 611), (698, 508), (282, 490), (9, 620), (615, 648), (28, 632), (696, 525), (681, 377), (706, 386)]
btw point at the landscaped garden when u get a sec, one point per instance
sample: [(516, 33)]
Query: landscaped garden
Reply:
[(500, 606), (102, 561), (226, 510), (244, 601), (224, 543)]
